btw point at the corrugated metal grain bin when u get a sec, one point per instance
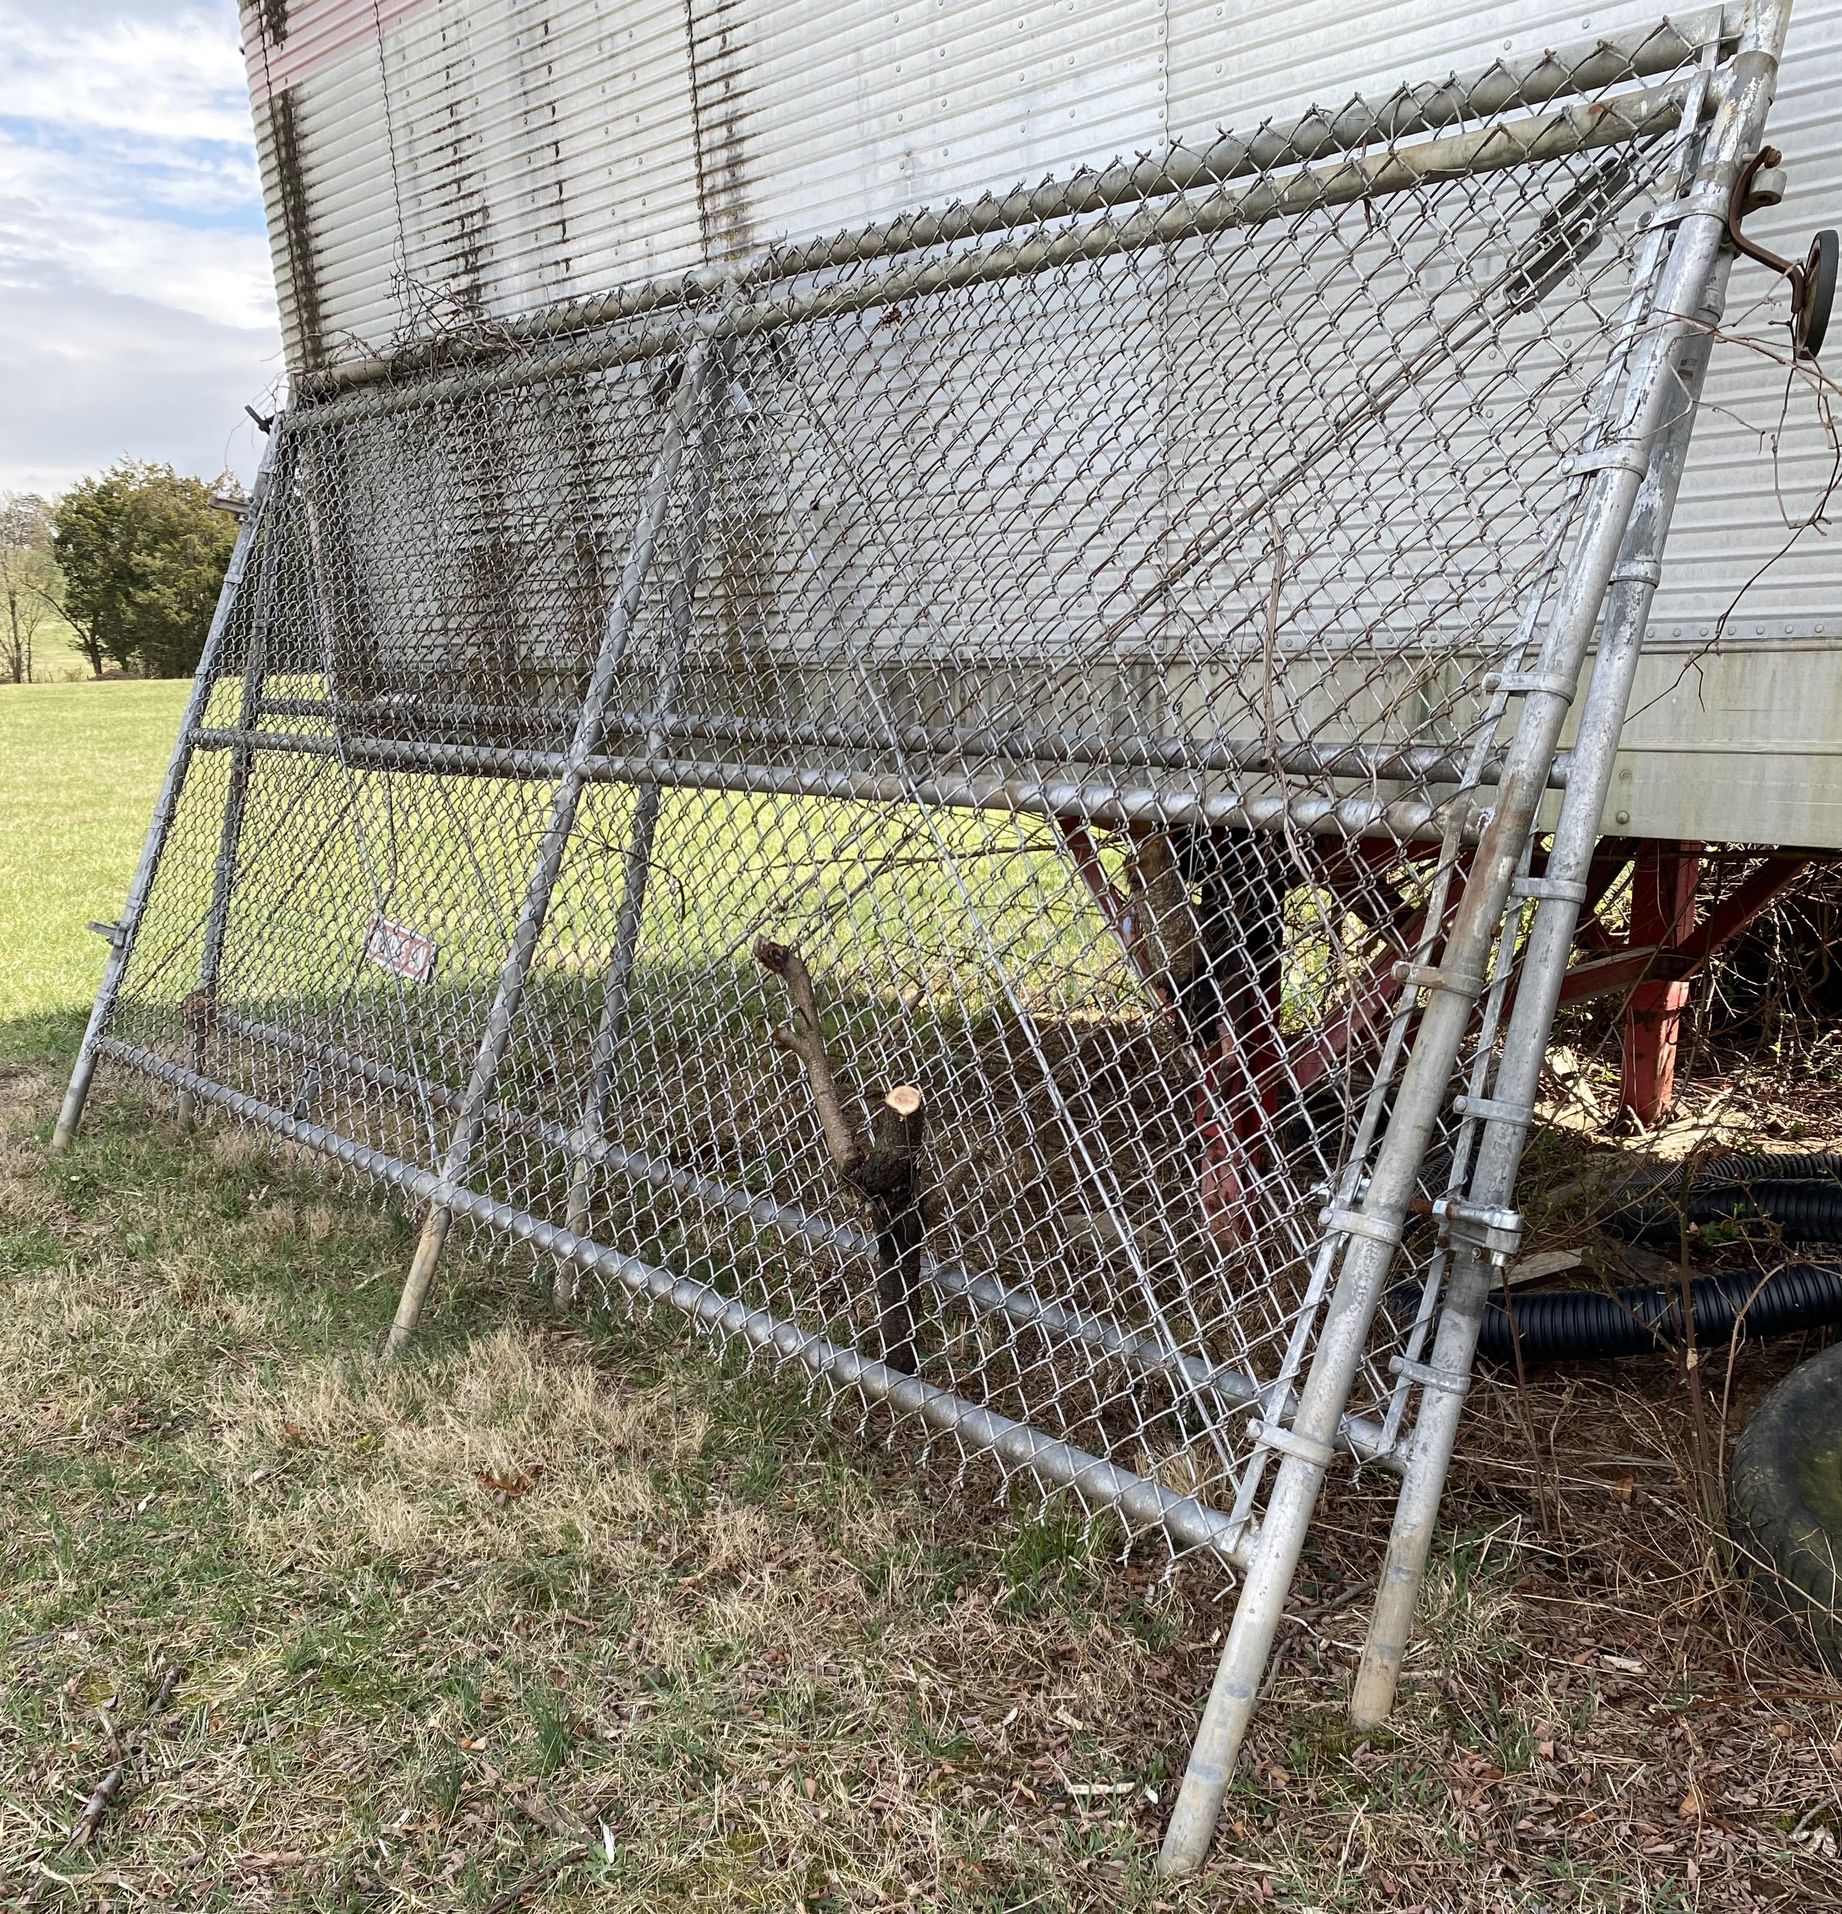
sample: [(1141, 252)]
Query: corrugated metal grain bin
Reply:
[(438, 164)]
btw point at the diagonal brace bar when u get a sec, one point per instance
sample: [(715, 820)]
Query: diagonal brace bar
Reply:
[(617, 989), (688, 406)]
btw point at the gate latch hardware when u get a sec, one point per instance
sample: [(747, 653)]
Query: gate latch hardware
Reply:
[(1485, 1228), (1813, 278)]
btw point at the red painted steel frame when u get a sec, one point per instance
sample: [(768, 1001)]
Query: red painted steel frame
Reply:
[(1667, 946), (1247, 1066), (1664, 877)]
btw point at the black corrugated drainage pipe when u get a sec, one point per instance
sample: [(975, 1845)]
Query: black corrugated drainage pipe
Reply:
[(1579, 1324), (1802, 1211), (1801, 1196)]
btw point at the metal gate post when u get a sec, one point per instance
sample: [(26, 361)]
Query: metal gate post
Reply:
[(122, 934), (1664, 878), (617, 989), (655, 501), (1560, 892), (1650, 397)]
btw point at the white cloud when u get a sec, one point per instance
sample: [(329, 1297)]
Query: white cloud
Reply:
[(78, 214), (92, 376), (175, 78), (137, 310)]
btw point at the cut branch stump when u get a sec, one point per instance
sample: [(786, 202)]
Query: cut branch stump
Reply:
[(883, 1173)]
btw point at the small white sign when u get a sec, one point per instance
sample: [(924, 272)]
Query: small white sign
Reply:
[(405, 952)]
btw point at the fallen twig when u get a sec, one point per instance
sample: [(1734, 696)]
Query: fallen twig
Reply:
[(96, 1807), (529, 1884)]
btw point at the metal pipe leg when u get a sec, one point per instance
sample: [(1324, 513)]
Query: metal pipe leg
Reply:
[(1664, 880), (429, 1246), (1237, 1680), (1233, 1010), (1650, 400), (1562, 890), (688, 405)]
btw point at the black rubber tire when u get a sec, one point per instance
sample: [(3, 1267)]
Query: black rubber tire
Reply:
[(1784, 1503)]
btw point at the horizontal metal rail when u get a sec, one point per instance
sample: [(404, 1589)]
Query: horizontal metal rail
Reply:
[(1304, 757), (1406, 820), (1588, 126), (1581, 69), (1231, 1389), (1142, 1503)]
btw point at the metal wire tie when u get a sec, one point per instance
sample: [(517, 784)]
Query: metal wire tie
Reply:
[(1493, 1109), (1461, 983), (1621, 455), (1449, 1380), (1560, 890), (1714, 205), (1270, 1435), (1341, 1222)]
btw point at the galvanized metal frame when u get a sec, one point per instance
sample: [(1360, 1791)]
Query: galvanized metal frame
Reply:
[(1651, 401), (1304, 1412)]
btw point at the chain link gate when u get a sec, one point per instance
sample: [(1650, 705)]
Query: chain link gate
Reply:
[(953, 803)]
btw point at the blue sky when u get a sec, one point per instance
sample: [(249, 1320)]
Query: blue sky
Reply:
[(137, 310)]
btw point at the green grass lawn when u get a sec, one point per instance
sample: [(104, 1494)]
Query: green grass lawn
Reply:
[(56, 657), (79, 767), (572, 1613)]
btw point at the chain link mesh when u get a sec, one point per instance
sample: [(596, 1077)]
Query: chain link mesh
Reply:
[(1076, 651)]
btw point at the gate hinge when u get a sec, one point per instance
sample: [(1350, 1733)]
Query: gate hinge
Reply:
[(113, 933)]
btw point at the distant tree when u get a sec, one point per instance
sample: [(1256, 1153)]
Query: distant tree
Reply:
[(29, 582), (142, 552)]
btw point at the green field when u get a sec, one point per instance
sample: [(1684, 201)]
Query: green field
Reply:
[(573, 1613), (79, 767)]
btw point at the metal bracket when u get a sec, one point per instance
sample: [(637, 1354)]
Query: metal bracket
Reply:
[(1558, 890), (1487, 1228), (1377, 1229), (1520, 683), (1289, 1442), (1712, 205), (114, 934), (1621, 455), (1449, 1381), (1461, 983), (1637, 571), (1493, 1109), (1813, 278)]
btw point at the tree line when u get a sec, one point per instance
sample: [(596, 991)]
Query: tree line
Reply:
[(130, 561)]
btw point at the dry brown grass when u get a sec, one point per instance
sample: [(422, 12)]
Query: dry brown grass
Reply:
[(560, 1617)]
